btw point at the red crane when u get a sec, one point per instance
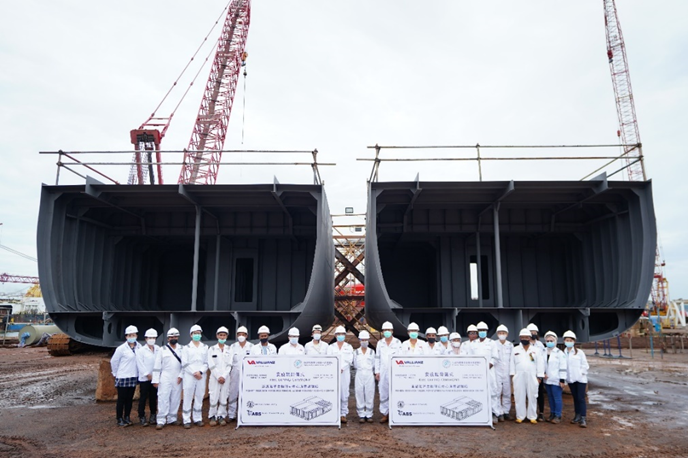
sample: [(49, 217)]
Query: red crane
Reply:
[(7, 278), (628, 128), (202, 156)]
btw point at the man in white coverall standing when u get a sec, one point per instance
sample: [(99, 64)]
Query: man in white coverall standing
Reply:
[(263, 347), (293, 347), (528, 370), (484, 346), (220, 365), (167, 378), (364, 384), (345, 352), (194, 367), (239, 349), (315, 346), (386, 348), (414, 346), (503, 372)]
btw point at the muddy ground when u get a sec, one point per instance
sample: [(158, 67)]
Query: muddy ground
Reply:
[(637, 408)]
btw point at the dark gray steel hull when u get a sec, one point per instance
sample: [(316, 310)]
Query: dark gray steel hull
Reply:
[(110, 256), (572, 255)]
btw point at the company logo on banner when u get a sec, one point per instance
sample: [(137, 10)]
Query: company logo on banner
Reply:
[(440, 390)]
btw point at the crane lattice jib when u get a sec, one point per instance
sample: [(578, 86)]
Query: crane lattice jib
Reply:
[(202, 159), (7, 278), (623, 91)]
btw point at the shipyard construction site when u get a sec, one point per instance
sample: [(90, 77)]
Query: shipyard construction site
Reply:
[(276, 215)]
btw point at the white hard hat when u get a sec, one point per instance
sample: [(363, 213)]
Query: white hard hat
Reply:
[(482, 325), (317, 327), (502, 328), (442, 331), (222, 329), (387, 325), (524, 333), (151, 333), (531, 327), (173, 332), (263, 330), (131, 330), (340, 330), (454, 335), (551, 333), (242, 329), (413, 327), (364, 335), (570, 334), (294, 332), (195, 328), (431, 331), (471, 328)]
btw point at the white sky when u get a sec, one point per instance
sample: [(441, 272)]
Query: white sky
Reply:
[(339, 76)]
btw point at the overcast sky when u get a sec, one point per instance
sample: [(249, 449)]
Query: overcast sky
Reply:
[(339, 76)]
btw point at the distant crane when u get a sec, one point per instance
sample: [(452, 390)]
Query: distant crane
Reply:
[(7, 278)]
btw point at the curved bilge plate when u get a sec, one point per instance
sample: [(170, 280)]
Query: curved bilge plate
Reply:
[(176, 255), (573, 255)]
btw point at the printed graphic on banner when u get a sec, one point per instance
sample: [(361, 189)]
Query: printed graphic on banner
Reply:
[(289, 390), (439, 390)]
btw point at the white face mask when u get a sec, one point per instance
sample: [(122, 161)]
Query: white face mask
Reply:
[(241, 339), (316, 336), (456, 344), (502, 337), (150, 342), (364, 343), (293, 340)]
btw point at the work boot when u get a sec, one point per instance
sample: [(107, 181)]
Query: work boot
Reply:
[(556, 420), (508, 417), (159, 427), (500, 418), (535, 422), (518, 420), (222, 421), (177, 422), (187, 425), (582, 422), (540, 417), (361, 420), (143, 421), (495, 420), (551, 417), (127, 420), (369, 419), (576, 419), (384, 419), (121, 422), (152, 420), (213, 422), (199, 423), (343, 419)]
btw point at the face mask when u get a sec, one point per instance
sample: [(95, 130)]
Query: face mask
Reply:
[(482, 334), (173, 341), (387, 334), (131, 339), (550, 344), (444, 339), (364, 343), (533, 336), (432, 340), (569, 344), (525, 342), (196, 337), (293, 340), (316, 336), (502, 337), (221, 341), (456, 344), (150, 342), (265, 340), (241, 339), (340, 338), (413, 335)]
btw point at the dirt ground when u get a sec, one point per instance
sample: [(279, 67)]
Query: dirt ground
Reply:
[(637, 408)]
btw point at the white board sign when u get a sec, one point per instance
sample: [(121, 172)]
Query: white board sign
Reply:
[(286, 390), (439, 390)]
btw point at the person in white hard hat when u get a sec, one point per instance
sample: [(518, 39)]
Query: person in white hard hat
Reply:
[(364, 383), (431, 340), (263, 347), (503, 372), (386, 348), (535, 341), (555, 376), (527, 369), (345, 352), (220, 365), (484, 346), (126, 373), (472, 333), (577, 377), (167, 378), (194, 368), (315, 346), (455, 342), (293, 347), (145, 362), (414, 346), (239, 349), (442, 347)]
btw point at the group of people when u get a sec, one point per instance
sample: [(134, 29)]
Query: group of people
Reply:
[(163, 373)]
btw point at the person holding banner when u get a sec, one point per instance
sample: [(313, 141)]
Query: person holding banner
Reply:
[(527, 369), (194, 367), (413, 346), (455, 339), (220, 365), (555, 377), (443, 347), (315, 346), (293, 347), (386, 348), (483, 346), (238, 350), (167, 378), (345, 352), (364, 383), (503, 371), (263, 347)]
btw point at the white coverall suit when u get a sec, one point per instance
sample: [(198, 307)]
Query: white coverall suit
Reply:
[(238, 352), (488, 348), (364, 382), (419, 349), (382, 366), (220, 365), (194, 359), (346, 359), (526, 367), (503, 373), (167, 370)]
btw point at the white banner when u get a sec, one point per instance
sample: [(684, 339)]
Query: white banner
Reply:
[(439, 390), (289, 391)]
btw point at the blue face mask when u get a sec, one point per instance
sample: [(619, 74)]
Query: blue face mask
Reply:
[(131, 339), (221, 341), (340, 338), (550, 344), (196, 337), (413, 335), (569, 344), (482, 334), (444, 339), (387, 334), (293, 340)]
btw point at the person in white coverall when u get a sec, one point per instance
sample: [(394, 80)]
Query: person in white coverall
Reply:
[(527, 369), (484, 346), (238, 349), (364, 383), (414, 346), (535, 341), (263, 347), (167, 378), (194, 368), (220, 365), (345, 352), (455, 342), (316, 346), (386, 348), (443, 347), (293, 347), (431, 340), (503, 372)]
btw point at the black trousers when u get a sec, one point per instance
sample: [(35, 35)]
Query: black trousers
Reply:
[(542, 391), (147, 392), (125, 398), (578, 394)]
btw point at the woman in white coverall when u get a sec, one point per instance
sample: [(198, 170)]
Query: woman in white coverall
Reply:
[(345, 352), (386, 348), (194, 368), (220, 365), (503, 372), (238, 349), (167, 378), (364, 384), (527, 369)]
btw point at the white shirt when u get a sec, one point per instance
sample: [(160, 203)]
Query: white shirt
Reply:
[(289, 349), (195, 358), (385, 352), (238, 352), (486, 348), (503, 364), (421, 348), (123, 362), (167, 367), (259, 349), (145, 361), (576, 366), (320, 349), (440, 349), (527, 361), (220, 361), (555, 366), (364, 362), (345, 354)]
